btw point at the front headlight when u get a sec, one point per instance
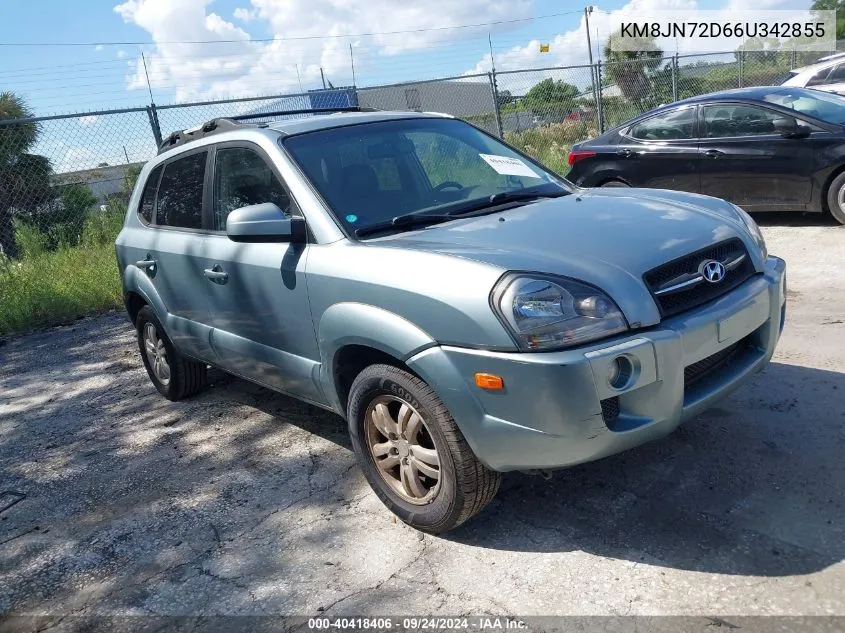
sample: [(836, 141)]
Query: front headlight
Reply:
[(752, 227), (545, 312)]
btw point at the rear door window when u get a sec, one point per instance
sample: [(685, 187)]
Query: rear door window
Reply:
[(180, 192), (666, 126)]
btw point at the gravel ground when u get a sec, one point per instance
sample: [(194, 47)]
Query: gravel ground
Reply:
[(241, 501)]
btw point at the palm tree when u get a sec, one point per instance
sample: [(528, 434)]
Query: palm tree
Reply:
[(24, 177), (631, 70)]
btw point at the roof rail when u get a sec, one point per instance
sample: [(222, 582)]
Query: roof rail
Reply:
[(828, 58), (225, 124), (262, 115)]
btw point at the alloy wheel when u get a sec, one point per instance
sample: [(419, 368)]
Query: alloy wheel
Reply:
[(403, 449), (156, 353)]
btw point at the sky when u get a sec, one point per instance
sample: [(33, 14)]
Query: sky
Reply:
[(57, 77)]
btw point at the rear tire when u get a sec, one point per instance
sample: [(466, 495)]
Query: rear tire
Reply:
[(836, 198), (614, 183), (174, 376), (413, 455)]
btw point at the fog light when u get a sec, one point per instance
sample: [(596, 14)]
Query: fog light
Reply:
[(620, 372)]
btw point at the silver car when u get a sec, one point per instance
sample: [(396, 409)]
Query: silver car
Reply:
[(827, 75), (466, 310)]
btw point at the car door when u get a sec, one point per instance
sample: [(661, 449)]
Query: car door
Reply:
[(745, 160), (172, 254), (660, 151), (262, 328)]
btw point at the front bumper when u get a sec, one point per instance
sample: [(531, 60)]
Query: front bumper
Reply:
[(549, 414)]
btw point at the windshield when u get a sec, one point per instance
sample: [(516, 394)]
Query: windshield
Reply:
[(371, 173), (821, 105)]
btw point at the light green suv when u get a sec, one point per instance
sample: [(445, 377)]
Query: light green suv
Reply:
[(466, 310)]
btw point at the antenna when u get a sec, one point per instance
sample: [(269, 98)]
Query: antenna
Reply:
[(149, 87)]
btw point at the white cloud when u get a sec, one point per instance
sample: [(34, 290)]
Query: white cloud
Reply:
[(242, 67), (88, 121), (98, 47), (570, 48), (76, 159), (244, 15), (121, 54)]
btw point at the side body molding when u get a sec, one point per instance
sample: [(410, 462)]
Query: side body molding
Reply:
[(359, 324)]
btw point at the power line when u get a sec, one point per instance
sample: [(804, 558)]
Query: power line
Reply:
[(303, 37)]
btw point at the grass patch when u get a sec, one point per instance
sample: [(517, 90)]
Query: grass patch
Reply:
[(551, 144), (50, 286)]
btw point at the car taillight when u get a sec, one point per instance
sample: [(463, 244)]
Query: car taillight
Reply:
[(579, 154)]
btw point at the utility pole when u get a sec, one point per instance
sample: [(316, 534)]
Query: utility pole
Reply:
[(352, 61), (323, 77), (494, 88), (298, 78), (587, 11), (149, 87)]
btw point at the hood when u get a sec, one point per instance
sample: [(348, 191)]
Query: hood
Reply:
[(607, 237)]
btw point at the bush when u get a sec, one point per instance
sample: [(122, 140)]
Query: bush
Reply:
[(53, 281), (102, 227), (58, 285), (30, 241), (550, 145)]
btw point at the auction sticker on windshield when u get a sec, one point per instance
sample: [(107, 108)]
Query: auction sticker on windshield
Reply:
[(508, 166)]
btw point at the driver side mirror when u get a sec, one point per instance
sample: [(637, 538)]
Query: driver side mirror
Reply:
[(264, 222), (789, 127)]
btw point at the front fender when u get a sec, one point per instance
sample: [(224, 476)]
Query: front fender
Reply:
[(361, 324)]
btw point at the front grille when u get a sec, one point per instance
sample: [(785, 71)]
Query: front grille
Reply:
[(684, 268), (698, 371), (610, 409)]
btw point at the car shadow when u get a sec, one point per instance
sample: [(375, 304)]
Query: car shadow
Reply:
[(794, 218), (755, 487)]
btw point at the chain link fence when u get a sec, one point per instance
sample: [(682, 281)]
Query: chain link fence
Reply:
[(65, 180)]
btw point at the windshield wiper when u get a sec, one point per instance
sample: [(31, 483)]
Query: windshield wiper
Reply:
[(408, 219), (489, 204)]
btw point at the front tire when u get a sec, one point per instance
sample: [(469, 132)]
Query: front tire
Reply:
[(836, 198), (413, 455), (174, 376), (614, 183)]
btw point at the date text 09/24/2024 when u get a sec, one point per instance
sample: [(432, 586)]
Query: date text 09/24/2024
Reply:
[(481, 623)]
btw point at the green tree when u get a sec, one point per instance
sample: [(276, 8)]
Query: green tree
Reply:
[(633, 70), (130, 178), (24, 177), (65, 227), (833, 5), (551, 95), (760, 50)]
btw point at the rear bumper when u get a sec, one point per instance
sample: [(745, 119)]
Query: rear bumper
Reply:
[(550, 413)]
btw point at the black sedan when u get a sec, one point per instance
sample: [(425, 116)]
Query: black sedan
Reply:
[(764, 149)]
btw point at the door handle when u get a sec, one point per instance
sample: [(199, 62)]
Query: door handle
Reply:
[(148, 265), (714, 153), (216, 274), (625, 153)]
